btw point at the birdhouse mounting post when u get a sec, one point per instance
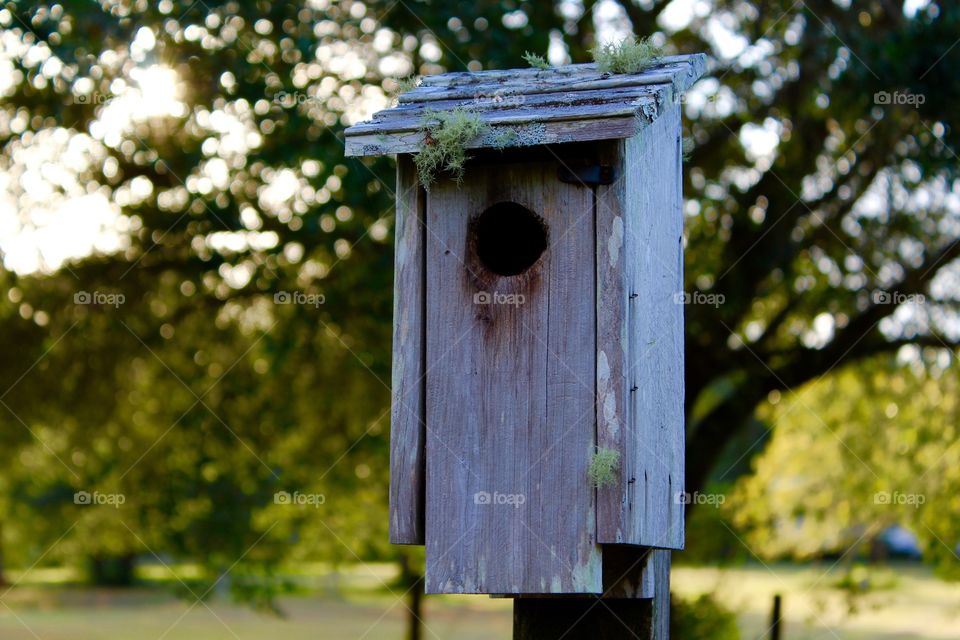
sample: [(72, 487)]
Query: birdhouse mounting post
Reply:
[(538, 326)]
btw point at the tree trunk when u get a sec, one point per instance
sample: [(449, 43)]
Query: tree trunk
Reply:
[(112, 571)]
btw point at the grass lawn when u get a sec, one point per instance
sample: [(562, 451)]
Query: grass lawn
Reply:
[(910, 604)]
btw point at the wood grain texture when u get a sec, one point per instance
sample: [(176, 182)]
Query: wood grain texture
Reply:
[(551, 80), (640, 352), (660, 623), (654, 230), (407, 414), (612, 341), (525, 134), (541, 106), (510, 394)]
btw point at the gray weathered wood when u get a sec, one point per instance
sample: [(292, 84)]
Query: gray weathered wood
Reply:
[(497, 109), (660, 623), (407, 415), (677, 70), (521, 135), (562, 104), (640, 352), (655, 229), (510, 395), (612, 341)]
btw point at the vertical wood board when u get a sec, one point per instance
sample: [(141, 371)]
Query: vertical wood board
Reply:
[(407, 413), (640, 339), (510, 394)]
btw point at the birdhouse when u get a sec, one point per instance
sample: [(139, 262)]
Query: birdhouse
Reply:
[(537, 434)]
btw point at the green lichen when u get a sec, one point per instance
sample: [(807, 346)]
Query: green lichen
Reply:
[(628, 56), (536, 60), (687, 146), (604, 464), (405, 84), (503, 138), (446, 135)]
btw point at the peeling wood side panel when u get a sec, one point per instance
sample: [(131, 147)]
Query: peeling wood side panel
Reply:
[(510, 395), (407, 414), (652, 514), (612, 247), (640, 338)]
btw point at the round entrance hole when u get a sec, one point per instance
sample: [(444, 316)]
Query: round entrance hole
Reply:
[(509, 238)]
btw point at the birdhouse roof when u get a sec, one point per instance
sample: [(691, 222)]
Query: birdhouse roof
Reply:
[(531, 106)]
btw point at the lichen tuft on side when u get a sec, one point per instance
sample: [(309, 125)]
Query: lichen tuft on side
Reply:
[(627, 56), (446, 135), (536, 60), (604, 464)]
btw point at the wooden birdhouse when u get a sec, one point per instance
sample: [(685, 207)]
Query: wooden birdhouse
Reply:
[(538, 328)]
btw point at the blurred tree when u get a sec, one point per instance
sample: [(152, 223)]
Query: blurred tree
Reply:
[(883, 435), (211, 132)]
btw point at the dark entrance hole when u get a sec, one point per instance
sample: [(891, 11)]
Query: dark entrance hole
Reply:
[(509, 238)]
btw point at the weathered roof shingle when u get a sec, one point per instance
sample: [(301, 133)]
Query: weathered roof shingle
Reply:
[(538, 106)]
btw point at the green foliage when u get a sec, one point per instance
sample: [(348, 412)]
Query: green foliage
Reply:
[(446, 136), (877, 450), (603, 467), (860, 579), (702, 619), (627, 56), (688, 144), (536, 60)]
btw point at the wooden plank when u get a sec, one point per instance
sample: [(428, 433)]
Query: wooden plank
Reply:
[(554, 105), (696, 63), (612, 342), (534, 133), (660, 623), (543, 105), (509, 395), (652, 515), (407, 414), (594, 82)]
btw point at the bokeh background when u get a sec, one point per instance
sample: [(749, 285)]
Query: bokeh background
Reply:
[(195, 313)]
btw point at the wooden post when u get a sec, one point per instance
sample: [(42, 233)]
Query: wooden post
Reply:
[(776, 617), (606, 618)]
